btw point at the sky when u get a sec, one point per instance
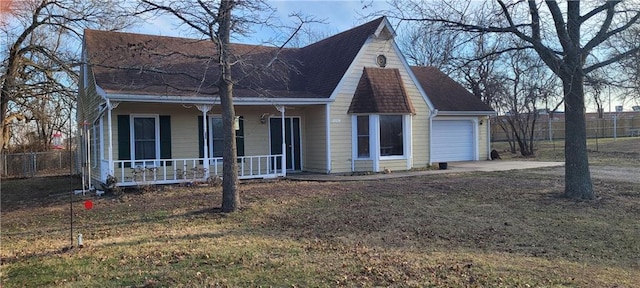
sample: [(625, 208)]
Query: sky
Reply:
[(337, 16)]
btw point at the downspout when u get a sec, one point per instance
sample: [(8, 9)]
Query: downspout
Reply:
[(354, 141), (87, 162), (434, 113)]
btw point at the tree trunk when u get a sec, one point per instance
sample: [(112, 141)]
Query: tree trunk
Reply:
[(230, 197), (4, 105), (577, 175)]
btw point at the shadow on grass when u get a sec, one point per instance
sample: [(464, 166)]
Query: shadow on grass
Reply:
[(39, 255), (503, 212)]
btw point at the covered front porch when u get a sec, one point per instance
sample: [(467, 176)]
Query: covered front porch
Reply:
[(174, 171), (168, 143)]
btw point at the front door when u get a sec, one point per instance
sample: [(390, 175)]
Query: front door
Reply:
[(292, 141)]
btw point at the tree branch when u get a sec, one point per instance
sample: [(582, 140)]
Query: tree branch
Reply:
[(611, 60)]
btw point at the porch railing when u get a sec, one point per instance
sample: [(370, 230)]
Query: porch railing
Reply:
[(171, 171)]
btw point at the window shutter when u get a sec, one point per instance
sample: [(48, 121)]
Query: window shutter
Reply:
[(240, 138), (124, 138), (165, 137), (200, 138)]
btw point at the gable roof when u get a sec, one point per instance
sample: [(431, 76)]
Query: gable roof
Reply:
[(128, 63), (381, 91), (325, 62), (136, 64), (445, 93)]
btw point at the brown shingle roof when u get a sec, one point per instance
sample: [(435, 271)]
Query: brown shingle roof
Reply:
[(381, 90), (445, 93), (130, 63), (325, 62)]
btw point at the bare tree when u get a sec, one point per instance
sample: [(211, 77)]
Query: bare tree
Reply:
[(627, 71), (437, 49), (217, 21), (482, 62), (569, 42), (529, 84), (39, 58)]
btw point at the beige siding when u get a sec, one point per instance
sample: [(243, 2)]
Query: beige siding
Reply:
[(341, 122), (91, 101), (393, 165), (88, 108), (483, 136), (315, 140), (184, 126), (363, 165)]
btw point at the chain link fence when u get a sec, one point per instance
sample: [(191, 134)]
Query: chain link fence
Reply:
[(550, 129), (34, 164)]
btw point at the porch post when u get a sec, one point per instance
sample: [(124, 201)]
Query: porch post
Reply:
[(204, 109), (284, 143), (110, 106)]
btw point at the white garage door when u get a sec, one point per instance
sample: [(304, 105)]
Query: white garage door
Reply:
[(453, 140)]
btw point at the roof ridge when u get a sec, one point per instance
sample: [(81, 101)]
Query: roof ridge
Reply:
[(331, 38), (194, 40)]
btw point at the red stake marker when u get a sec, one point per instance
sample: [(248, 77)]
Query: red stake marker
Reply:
[(88, 204)]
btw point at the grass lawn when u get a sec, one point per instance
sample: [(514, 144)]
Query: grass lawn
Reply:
[(499, 229)]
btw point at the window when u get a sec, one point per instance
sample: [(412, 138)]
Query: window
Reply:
[(217, 140), (391, 138), (145, 138), (363, 136)]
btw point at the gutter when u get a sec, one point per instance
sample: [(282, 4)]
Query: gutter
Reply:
[(467, 113), (215, 100)]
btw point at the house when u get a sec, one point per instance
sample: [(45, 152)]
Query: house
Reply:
[(347, 103)]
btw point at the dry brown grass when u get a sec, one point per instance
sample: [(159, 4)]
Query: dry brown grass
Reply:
[(624, 151), (501, 229)]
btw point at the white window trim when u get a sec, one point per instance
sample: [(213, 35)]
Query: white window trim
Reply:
[(374, 141), (405, 139), (354, 142), (147, 162), (408, 139)]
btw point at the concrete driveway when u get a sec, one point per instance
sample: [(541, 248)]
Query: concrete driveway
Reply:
[(453, 167)]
